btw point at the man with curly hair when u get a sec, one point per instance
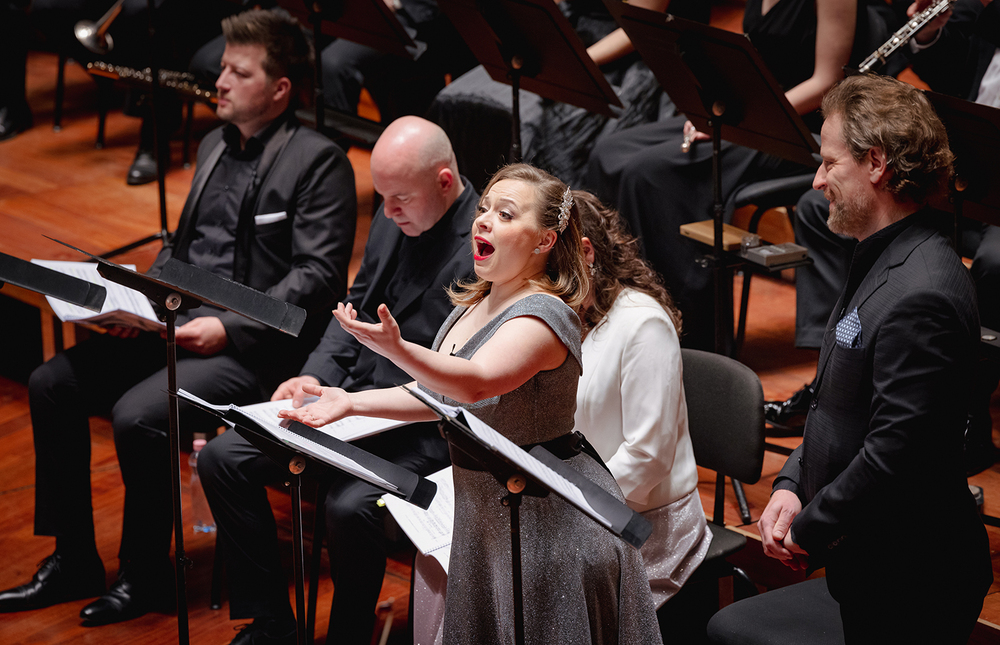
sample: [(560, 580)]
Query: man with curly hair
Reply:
[(883, 439)]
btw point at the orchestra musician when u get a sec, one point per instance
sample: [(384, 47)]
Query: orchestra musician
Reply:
[(272, 206)]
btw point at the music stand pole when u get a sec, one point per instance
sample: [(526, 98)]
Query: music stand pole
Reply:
[(171, 304), (295, 466), (158, 155), (513, 502), (515, 113), (719, 266)]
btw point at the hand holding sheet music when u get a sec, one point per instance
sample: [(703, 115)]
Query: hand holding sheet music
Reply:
[(123, 307)]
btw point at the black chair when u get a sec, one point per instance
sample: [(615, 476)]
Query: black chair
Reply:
[(725, 405), (765, 195), (799, 613)]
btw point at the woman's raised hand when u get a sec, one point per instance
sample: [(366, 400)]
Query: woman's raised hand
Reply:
[(382, 338), (334, 404)]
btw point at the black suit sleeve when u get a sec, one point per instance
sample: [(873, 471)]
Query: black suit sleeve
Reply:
[(338, 351), (790, 475), (918, 354)]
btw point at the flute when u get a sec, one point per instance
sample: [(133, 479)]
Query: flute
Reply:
[(904, 34), (183, 83)]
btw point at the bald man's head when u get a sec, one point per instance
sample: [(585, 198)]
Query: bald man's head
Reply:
[(413, 167)]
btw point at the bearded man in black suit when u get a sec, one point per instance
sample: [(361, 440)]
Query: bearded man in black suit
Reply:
[(882, 446), (272, 206)]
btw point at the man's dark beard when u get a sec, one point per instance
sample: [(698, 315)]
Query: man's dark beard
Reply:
[(849, 216)]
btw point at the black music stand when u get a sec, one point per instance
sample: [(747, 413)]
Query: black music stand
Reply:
[(47, 282), (366, 22), (534, 473), (974, 138), (530, 42), (719, 81), (300, 448), (181, 286)]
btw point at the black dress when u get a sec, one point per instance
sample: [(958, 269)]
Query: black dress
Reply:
[(475, 110)]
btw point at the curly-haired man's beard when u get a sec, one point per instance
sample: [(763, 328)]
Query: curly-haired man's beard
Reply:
[(849, 215)]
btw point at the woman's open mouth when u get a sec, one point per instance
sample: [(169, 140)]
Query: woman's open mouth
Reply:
[(483, 249)]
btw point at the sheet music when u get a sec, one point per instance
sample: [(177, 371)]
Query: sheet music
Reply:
[(430, 530), (346, 429), (271, 426), (559, 484), (123, 306), (513, 453)]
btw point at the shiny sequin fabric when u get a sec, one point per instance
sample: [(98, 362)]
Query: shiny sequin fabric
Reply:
[(582, 584)]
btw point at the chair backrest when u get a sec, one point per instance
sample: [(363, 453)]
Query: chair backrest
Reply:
[(725, 405)]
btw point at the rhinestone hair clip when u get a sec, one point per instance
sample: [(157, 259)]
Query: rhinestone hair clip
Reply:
[(567, 203)]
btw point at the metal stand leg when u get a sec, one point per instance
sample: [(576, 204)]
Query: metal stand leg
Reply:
[(296, 466), (741, 501), (515, 486)]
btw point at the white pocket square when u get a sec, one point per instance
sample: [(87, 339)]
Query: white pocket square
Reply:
[(270, 218)]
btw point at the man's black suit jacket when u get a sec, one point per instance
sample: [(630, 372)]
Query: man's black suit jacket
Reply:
[(339, 359), (301, 259), (882, 446)]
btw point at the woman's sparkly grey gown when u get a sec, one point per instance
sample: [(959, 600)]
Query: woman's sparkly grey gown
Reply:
[(582, 584)]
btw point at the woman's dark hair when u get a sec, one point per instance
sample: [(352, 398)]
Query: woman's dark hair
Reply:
[(617, 263)]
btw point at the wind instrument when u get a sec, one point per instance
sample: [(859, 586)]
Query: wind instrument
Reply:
[(93, 35), (183, 83)]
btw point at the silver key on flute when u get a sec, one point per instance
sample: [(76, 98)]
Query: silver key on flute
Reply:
[(688, 139)]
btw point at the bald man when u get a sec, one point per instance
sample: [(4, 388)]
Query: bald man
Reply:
[(417, 246)]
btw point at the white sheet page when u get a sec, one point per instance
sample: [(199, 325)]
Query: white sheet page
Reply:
[(346, 429), (122, 306), (430, 530)]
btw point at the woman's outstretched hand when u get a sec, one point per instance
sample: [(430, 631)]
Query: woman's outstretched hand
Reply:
[(334, 404), (382, 338)]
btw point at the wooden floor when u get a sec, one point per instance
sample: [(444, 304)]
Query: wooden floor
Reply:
[(56, 184)]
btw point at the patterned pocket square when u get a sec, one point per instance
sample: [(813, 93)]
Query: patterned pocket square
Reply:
[(849, 331)]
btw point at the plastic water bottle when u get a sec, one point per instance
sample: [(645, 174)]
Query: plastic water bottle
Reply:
[(200, 512)]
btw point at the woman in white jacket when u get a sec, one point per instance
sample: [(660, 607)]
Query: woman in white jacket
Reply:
[(630, 400)]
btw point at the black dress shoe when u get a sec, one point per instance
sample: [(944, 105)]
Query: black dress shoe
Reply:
[(14, 120), (126, 600), (788, 417), (266, 631), (56, 581), (143, 168)]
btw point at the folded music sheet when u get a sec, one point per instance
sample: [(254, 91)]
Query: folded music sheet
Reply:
[(123, 307)]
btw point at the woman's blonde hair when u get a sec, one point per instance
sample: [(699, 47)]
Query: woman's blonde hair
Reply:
[(566, 274)]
